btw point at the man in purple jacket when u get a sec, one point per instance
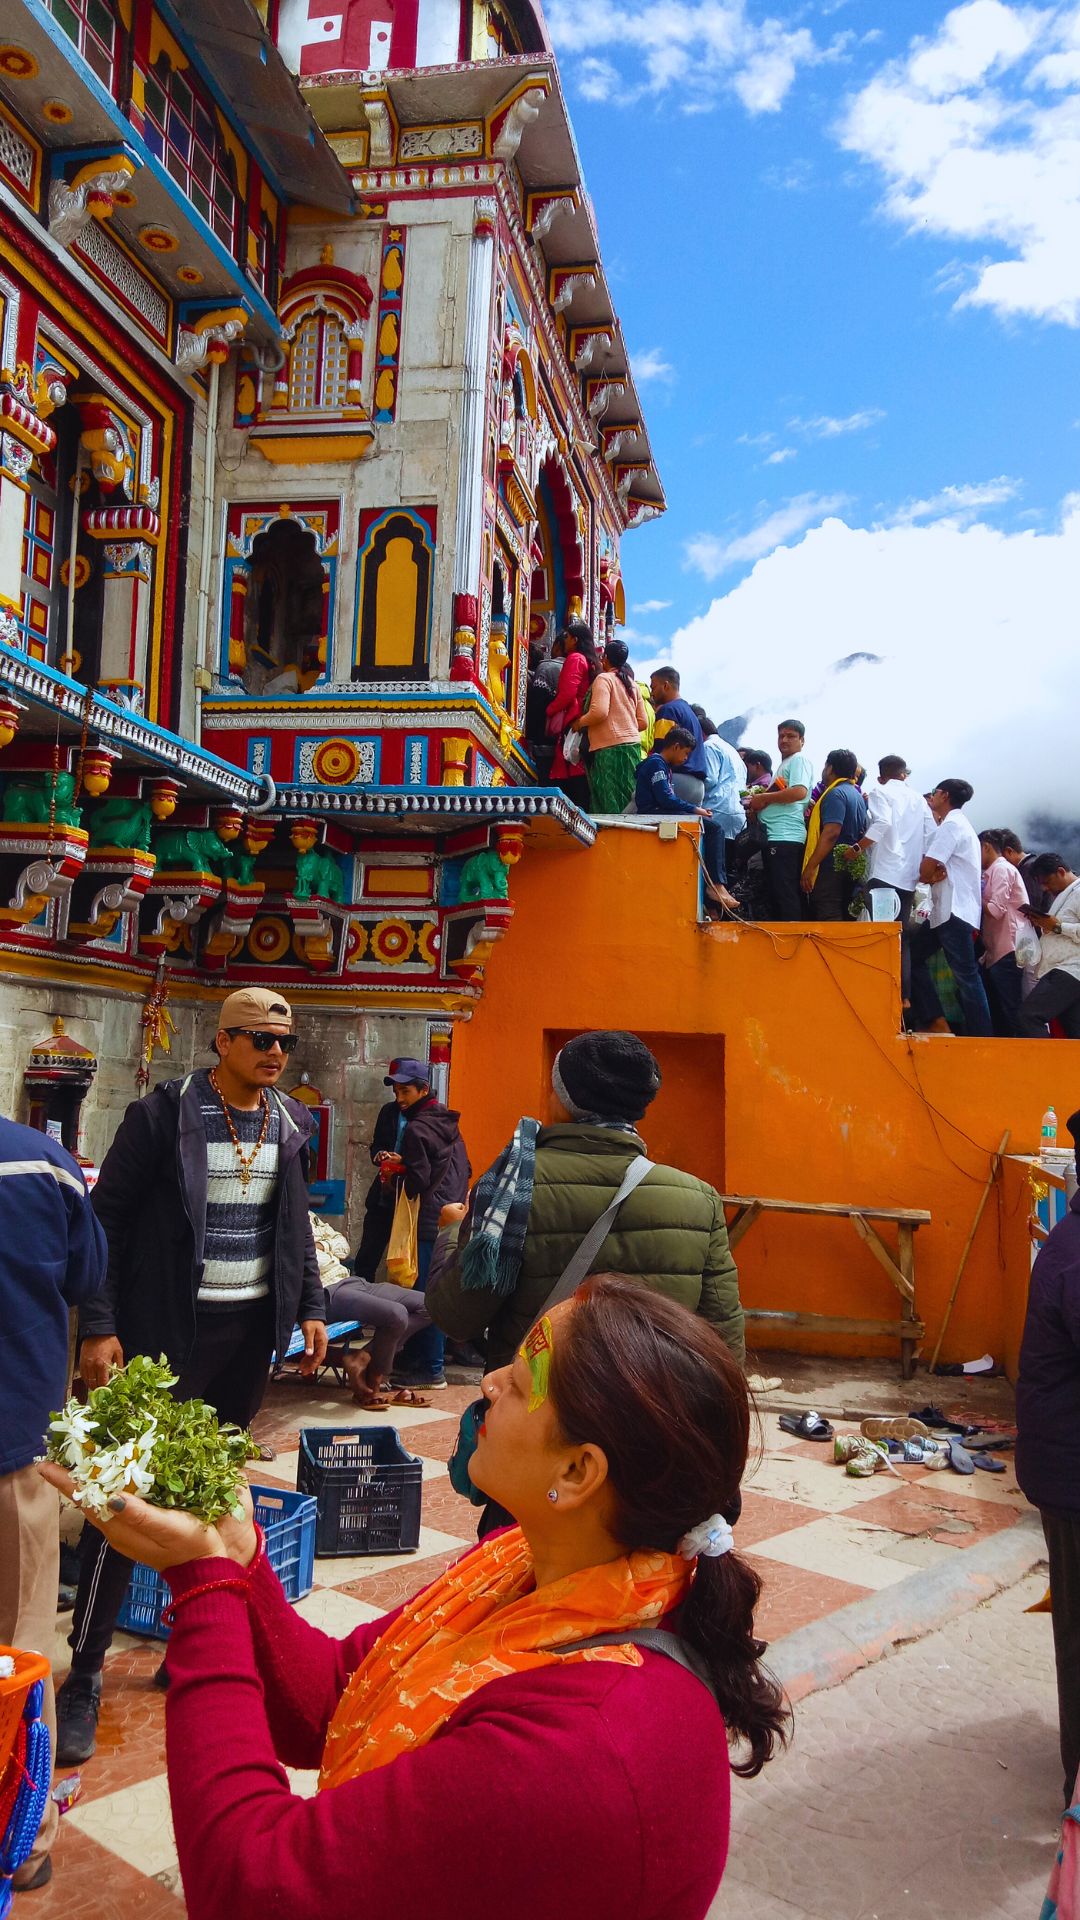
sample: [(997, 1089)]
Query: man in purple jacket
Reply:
[(1048, 1450)]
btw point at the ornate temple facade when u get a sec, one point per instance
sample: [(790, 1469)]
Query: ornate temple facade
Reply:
[(314, 411)]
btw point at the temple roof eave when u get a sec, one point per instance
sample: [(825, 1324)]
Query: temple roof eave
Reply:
[(59, 707), (441, 810)]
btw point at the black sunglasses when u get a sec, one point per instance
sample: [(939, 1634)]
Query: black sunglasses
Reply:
[(263, 1041)]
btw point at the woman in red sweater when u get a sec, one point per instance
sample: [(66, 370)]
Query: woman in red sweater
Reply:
[(473, 1755), (581, 664)]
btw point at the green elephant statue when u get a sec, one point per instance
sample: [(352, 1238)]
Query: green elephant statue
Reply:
[(484, 877), (29, 800), (122, 823), (193, 850), (318, 872)]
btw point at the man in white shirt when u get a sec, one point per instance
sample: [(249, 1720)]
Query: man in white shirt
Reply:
[(898, 826), (952, 863), (1056, 994)]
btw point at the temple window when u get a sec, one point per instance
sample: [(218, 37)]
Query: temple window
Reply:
[(182, 133), (319, 365), (90, 26)]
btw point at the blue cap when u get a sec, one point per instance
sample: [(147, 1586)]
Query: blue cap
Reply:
[(407, 1073)]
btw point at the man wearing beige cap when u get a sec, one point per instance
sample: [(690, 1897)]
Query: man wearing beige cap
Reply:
[(203, 1199)]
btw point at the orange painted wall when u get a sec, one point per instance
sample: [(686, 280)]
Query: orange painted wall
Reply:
[(786, 1076)]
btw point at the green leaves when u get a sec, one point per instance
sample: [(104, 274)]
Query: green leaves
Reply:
[(132, 1436)]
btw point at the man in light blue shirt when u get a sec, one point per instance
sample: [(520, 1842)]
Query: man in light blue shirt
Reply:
[(782, 816), (725, 776)]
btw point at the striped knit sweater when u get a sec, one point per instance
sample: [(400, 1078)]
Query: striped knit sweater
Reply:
[(239, 1219)]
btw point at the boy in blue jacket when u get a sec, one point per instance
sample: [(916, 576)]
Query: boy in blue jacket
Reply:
[(52, 1256), (654, 791)]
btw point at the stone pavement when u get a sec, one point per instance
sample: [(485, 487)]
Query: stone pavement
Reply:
[(825, 1545), (927, 1785)]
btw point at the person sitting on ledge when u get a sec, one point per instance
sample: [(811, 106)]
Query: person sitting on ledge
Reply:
[(470, 1733), (654, 790)]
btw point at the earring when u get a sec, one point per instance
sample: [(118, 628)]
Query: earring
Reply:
[(553, 1494)]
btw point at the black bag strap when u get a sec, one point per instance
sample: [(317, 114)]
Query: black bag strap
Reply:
[(657, 1640), (580, 1262)]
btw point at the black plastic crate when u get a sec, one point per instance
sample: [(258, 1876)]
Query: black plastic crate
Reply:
[(367, 1488)]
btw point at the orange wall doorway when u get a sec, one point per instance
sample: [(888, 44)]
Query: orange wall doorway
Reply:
[(684, 1127)]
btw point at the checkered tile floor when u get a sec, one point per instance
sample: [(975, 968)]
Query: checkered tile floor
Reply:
[(818, 1538)]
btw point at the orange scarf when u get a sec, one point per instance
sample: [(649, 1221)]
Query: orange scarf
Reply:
[(482, 1619)]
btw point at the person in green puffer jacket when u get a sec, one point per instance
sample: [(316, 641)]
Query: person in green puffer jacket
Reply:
[(531, 1210)]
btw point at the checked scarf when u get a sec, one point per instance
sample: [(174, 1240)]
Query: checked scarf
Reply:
[(502, 1198)]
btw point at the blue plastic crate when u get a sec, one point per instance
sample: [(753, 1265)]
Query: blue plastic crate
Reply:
[(288, 1522)]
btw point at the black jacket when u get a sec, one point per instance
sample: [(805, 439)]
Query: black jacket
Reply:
[(382, 1193), (1048, 1382), (436, 1163), (151, 1200)]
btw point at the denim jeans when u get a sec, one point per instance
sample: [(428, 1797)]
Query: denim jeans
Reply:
[(714, 852), (424, 1353), (957, 942)]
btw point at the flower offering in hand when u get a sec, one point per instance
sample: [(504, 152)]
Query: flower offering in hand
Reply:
[(133, 1437)]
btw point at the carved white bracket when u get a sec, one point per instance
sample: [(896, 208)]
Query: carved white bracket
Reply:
[(73, 206), (644, 512), (209, 341), (573, 283), (381, 130), (521, 115), (603, 397), (549, 213)]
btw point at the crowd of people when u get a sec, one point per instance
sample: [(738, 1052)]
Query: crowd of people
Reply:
[(990, 933)]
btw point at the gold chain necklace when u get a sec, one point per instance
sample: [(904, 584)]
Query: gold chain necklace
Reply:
[(247, 1162)]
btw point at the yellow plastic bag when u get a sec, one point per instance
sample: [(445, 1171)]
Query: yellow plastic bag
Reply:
[(401, 1255)]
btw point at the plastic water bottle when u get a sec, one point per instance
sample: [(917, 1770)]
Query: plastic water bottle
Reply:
[(1048, 1132)]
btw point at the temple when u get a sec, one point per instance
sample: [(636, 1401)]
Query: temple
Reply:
[(315, 409)]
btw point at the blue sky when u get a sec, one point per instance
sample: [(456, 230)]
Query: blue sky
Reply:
[(844, 241)]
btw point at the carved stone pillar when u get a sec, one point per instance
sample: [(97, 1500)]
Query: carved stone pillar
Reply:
[(125, 621), (473, 419)]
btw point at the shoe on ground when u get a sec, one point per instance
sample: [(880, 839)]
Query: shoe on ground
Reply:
[(78, 1704), (65, 1599), (465, 1356), (161, 1677), (421, 1382), (40, 1877)]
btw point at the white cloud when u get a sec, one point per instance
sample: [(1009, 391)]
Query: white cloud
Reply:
[(712, 555), (953, 614), (781, 454), (825, 426), (977, 136), (648, 365), (959, 505), (764, 439), (651, 606), (705, 48)]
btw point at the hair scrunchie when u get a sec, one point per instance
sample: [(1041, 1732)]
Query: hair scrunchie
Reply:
[(712, 1538)]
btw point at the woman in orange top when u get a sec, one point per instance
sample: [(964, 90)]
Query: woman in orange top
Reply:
[(472, 1751)]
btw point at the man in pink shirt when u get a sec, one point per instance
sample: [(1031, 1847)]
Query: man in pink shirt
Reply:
[(1004, 896)]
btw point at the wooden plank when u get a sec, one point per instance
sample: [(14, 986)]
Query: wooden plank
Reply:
[(826, 1323), (742, 1223), (913, 1215), (882, 1254)]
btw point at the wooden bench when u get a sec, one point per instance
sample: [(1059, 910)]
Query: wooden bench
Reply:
[(900, 1267)]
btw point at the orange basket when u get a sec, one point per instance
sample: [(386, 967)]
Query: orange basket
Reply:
[(13, 1691)]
